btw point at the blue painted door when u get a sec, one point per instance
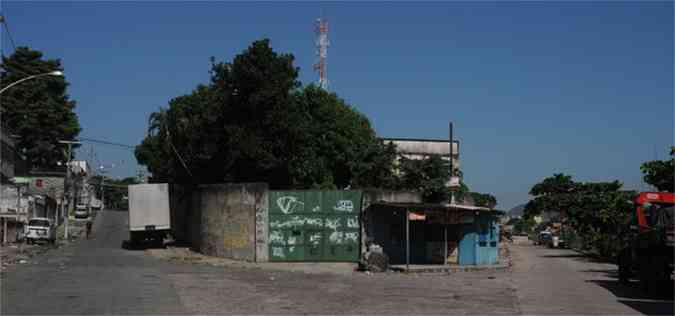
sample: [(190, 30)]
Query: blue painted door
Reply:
[(467, 245), (488, 240)]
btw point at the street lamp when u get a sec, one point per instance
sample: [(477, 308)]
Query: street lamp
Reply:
[(56, 73)]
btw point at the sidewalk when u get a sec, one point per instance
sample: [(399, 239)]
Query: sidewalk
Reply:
[(500, 267), (185, 255)]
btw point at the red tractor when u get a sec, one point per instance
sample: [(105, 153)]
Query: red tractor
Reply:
[(649, 251)]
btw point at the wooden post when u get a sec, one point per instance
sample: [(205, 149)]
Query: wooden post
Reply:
[(407, 240)]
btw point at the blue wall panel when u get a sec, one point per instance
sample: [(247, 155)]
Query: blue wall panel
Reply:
[(467, 246)]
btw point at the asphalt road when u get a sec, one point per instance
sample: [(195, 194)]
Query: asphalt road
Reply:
[(91, 277), (98, 277), (558, 281)]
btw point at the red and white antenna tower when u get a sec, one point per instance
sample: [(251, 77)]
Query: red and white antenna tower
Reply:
[(321, 29)]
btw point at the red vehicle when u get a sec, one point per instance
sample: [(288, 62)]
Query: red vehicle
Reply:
[(649, 252)]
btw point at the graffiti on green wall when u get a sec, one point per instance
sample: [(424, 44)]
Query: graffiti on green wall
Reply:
[(314, 225)]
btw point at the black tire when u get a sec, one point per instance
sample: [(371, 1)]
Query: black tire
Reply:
[(624, 266), (660, 274), (646, 275)]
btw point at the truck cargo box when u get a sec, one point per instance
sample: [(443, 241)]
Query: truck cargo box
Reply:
[(149, 207)]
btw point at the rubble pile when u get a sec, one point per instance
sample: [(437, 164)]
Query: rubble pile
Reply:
[(17, 254), (375, 260)]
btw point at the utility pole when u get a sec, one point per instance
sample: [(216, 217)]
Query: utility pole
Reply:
[(452, 171), (67, 180), (102, 191)]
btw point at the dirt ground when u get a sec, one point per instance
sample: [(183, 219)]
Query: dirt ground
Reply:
[(185, 255)]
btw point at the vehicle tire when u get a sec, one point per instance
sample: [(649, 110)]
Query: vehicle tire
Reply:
[(660, 274), (646, 275), (624, 266)]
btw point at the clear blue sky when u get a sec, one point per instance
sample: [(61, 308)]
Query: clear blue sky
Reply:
[(584, 88)]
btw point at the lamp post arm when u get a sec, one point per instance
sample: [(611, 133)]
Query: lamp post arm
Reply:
[(24, 79)]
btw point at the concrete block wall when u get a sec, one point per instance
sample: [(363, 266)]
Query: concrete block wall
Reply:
[(182, 213), (228, 219)]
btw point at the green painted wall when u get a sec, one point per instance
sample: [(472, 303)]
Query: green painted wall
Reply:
[(314, 225)]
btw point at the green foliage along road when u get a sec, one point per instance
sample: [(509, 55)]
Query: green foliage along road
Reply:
[(115, 191), (660, 173), (255, 122), (39, 111), (598, 211)]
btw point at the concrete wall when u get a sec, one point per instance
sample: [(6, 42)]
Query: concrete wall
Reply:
[(180, 201), (7, 155), (374, 195), (228, 219), (262, 227)]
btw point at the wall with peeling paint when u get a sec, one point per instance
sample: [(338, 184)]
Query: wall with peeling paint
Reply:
[(228, 219)]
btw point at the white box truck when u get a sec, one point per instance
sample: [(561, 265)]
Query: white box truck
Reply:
[(149, 213)]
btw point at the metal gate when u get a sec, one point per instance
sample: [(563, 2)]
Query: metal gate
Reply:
[(314, 225)]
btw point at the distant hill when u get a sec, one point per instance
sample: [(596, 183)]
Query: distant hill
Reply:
[(517, 210)]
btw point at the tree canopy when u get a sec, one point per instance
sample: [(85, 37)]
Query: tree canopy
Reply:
[(255, 122), (428, 176), (597, 211), (115, 191), (660, 173), (39, 111), (484, 199)]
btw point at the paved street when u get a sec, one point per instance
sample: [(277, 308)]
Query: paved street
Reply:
[(90, 277), (558, 281), (98, 277)]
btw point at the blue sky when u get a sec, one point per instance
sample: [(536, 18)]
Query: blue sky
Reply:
[(533, 88)]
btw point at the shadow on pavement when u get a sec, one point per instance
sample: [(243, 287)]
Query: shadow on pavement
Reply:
[(610, 273), (633, 297), (127, 245), (651, 308), (578, 257)]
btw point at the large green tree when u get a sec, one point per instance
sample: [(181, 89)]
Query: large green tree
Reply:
[(484, 199), (660, 173), (254, 122), (428, 176), (39, 111), (597, 211), (115, 191)]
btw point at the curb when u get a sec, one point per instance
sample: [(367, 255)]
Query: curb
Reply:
[(490, 268)]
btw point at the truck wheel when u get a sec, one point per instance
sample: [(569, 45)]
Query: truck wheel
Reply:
[(660, 273), (644, 273), (624, 266)]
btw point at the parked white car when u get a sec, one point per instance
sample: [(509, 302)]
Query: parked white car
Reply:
[(40, 228)]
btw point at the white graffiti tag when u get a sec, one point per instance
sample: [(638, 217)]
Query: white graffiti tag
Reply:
[(344, 205), (352, 223), (288, 204), (278, 252)]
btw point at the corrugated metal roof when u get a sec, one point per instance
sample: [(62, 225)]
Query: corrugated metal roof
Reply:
[(434, 206)]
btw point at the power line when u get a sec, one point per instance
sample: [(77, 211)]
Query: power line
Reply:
[(181, 159), (9, 34), (98, 141)]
